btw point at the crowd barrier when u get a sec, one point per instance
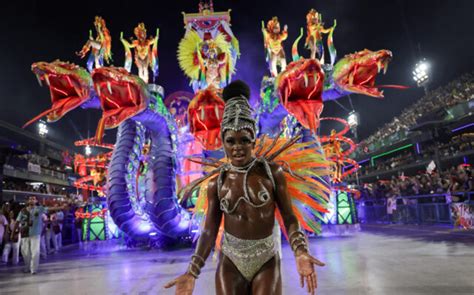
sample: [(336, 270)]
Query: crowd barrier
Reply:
[(423, 209)]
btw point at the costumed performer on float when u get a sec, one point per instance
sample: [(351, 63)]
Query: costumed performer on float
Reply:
[(249, 192), (100, 47), (273, 38), (146, 52)]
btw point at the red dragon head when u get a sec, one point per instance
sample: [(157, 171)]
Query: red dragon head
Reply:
[(300, 87), (356, 72), (121, 95), (205, 113), (69, 86)]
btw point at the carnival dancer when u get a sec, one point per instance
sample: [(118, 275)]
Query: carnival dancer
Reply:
[(249, 192)]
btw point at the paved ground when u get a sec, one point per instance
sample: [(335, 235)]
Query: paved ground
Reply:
[(382, 259)]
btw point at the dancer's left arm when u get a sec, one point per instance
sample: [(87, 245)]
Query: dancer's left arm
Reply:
[(299, 244)]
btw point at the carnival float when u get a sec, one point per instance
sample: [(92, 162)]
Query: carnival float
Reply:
[(163, 144)]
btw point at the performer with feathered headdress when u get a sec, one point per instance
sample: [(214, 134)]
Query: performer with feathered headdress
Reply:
[(260, 181)]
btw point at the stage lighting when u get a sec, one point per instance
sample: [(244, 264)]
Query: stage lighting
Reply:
[(421, 72), (88, 150), (42, 129), (353, 119)]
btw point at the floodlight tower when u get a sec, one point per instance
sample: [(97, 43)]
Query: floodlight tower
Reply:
[(353, 121), (421, 74), (42, 129)]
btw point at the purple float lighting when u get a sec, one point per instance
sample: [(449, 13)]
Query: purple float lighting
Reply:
[(360, 162), (465, 159), (418, 148), (144, 226), (363, 161), (183, 224), (462, 127)]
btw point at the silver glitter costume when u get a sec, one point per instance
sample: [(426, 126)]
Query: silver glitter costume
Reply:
[(248, 255)]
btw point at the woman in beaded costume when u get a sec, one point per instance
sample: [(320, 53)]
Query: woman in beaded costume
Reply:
[(250, 192)]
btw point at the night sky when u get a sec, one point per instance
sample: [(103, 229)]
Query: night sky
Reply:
[(440, 31)]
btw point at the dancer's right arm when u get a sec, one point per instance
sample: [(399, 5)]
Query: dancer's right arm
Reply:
[(185, 283), (212, 222)]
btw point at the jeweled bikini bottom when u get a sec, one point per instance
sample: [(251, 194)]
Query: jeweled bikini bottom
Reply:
[(248, 255)]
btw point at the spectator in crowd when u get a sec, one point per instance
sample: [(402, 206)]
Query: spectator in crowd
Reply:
[(43, 249), (56, 221), (78, 226), (3, 225), (12, 240), (23, 224), (49, 235), (31, 249), (391, 206)]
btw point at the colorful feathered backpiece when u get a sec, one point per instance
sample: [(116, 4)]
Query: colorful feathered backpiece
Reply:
[(306, 172)]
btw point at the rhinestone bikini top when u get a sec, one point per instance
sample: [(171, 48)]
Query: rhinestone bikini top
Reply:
[(263, 195)]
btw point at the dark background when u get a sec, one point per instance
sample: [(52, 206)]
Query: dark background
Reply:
[(440, 31)]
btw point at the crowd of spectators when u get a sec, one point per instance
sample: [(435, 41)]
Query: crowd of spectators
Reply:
[(18, 185), (37, 229), (22, 161), (459, 90), (456, 180), (458, 144)]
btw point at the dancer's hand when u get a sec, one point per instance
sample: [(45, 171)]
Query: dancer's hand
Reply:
[(184, 284), (305, 265)]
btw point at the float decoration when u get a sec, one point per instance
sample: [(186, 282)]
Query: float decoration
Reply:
[(146, 52), (69, 85), (314, 37), (100, 48), (273, 38), (208, 52)]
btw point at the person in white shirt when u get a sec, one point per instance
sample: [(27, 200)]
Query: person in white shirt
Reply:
[(391, 207), (3, 226), (12, 240)]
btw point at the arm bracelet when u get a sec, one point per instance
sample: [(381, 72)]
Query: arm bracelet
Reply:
[(197, 262), (298, 240)]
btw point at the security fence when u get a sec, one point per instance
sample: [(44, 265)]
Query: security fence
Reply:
[(424, 209)]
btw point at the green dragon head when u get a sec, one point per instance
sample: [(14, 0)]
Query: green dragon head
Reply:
[(69, 86), (356, 72)]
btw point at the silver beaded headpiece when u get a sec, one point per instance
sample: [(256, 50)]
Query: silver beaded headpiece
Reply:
[(238, 116)]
